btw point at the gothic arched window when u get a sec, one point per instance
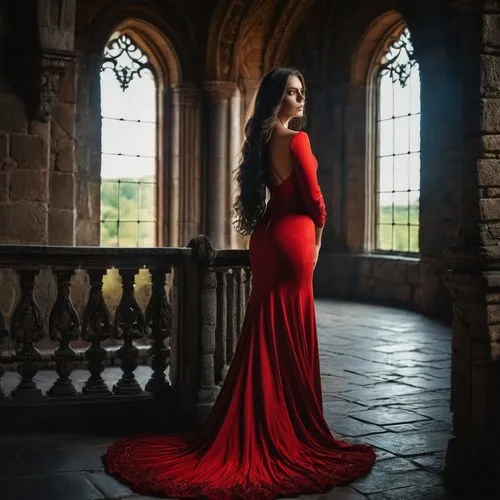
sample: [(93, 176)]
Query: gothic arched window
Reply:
[(129, 96), (397, 147)]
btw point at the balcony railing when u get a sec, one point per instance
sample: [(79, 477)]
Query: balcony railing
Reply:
[(108, 324)]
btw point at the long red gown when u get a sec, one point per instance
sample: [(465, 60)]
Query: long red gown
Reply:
[(266, 436)]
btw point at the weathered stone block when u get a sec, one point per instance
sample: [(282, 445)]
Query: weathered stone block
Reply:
[(94, 200), (13, 117), (29, 151), (491, 29), (4, 187), (403, 294), (493, 312), (64, 116), (88, 232), (390, 270), (413, 274), (24, 222), (489, 208), (4, 146), (494, 332), (28, 185), (65, 160), (61, 227), (62, 190), (490, 74), (488, 172), (365, 267), (39, 129)]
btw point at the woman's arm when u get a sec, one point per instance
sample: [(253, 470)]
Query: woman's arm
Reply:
[(305, 167)]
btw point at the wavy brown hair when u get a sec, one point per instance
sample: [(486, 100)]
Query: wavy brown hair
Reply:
[(252, 176)]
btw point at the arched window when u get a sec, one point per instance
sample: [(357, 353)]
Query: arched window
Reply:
[(129, 150), (397, 148)]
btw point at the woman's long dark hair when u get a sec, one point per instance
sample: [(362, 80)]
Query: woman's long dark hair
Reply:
[(252, 172)]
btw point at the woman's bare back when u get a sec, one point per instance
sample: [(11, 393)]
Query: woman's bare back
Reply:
[(280, 160)]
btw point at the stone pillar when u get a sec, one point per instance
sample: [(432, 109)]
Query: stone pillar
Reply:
[(234, 152), (88, 151), (474, 280), (57, 105), (215, 181), (172, 170), (190, 163)]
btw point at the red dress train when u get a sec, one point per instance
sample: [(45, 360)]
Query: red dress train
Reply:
[(266, 436)]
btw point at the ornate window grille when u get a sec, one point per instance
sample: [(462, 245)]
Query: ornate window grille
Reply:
[(398, 147), (129, 146)]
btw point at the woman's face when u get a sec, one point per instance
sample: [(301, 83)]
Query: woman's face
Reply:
[(294, 100)]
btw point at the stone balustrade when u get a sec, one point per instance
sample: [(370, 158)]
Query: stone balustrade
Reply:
[(77, 322)]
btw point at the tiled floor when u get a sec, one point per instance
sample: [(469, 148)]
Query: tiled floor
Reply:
[(386, 377)]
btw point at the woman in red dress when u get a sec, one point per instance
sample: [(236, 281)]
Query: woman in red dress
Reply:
[(266, 436)]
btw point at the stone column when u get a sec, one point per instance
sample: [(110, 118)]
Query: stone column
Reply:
[(190, 164), (57, 105), (216, 216), (234, 150), (171, 175), (474, 281)]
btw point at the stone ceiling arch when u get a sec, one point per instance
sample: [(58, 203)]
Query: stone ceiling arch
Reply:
[(282, 31), (225, 25)]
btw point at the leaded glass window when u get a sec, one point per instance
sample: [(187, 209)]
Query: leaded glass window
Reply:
[(398, 148), (129, 146)]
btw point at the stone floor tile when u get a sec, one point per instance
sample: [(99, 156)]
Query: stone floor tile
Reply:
[(54, 461), (387, 416), (350, 427), (407, 444), (339, 493), (395, 465), (423, 426), (380, 480), (383, 454), (382, 390), (338, 406), (72, 486), (437, 413), (415, 493), (433, 462), (425, 383), (109, 486)]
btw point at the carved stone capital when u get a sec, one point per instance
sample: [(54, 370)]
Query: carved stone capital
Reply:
[(53, 65), (188, 95), (220, 90)]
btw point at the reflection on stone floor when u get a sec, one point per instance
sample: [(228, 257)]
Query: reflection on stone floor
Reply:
[(386, 377)]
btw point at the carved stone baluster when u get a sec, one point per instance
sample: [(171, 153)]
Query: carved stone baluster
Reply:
[(96, 328), (248, 284), (3, 335), (64, 326), (232, 324), (221, 328), (205, 254), (241, 302), (159, 327), (27, 328), (129, 325)]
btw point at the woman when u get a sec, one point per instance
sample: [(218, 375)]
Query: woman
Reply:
[(266, 436)]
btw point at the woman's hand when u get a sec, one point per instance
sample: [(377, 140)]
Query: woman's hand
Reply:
[(316, 255)]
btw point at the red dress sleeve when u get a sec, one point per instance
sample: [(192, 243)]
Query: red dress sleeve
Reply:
[(305, 166)]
